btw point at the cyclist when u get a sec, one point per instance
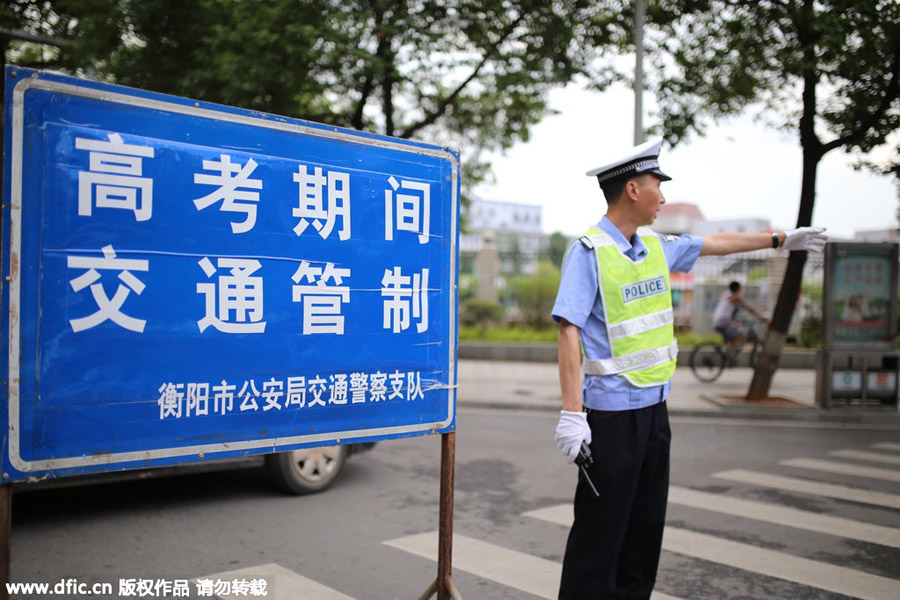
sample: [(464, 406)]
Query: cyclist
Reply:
[(725, 320)]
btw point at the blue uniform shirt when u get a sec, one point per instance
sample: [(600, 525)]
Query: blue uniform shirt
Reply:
[(578, 302)]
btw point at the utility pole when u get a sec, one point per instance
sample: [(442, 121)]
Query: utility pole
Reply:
[(639, 15)]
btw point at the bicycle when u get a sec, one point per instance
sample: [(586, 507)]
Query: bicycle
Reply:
[(709, 359)]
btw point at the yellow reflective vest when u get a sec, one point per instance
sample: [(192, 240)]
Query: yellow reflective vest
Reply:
[(637, 305)]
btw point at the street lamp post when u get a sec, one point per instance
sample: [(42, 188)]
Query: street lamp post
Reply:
[(639, 14)]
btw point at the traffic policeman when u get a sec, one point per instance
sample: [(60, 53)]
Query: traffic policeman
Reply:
[(615, 302)]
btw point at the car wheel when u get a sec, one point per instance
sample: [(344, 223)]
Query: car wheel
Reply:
[(306, 471)]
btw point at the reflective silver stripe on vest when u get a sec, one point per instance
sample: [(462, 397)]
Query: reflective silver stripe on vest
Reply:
[(637, 361), (649, 322), (599, 239)]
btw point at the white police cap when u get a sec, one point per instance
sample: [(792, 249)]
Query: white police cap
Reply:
[(638, 161)]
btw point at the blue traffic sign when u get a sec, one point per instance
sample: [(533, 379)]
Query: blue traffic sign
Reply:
[(184, 281)]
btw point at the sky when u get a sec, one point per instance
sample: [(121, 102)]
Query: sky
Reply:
[(740, 169)]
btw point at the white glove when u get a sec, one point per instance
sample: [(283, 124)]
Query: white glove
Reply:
[(805, 238), (572, 429)]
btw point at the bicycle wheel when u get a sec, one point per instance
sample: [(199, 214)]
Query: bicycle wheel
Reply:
[(707, 362), (754, 354)]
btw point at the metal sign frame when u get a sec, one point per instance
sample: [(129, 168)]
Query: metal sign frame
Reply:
[(15, 466)]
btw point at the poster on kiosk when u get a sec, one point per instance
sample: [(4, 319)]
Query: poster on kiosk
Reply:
[(859, 363), (184, 281)]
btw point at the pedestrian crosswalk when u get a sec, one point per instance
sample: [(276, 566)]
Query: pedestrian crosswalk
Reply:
[(812, 488), (530, 574), (881, 457), (841, 468), (540, 577), (869, 471), (759, 560)]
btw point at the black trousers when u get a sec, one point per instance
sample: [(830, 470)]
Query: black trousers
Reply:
[(614, 545)]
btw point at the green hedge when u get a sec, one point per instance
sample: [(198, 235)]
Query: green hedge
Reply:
[(506, 334), (528, 334)]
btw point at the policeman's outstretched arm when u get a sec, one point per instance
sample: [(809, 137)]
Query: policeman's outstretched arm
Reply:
[(803, 238), (572, 428)]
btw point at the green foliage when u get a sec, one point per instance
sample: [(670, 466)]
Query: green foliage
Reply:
[(463, 74), (813, 292), (756, 274), (549, 334), (826, 69), (811, 326), (810, 333), (536, 293), (556, 249), (825, 66), (507, 334), (480, 313)]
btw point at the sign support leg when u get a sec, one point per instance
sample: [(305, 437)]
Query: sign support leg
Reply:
[(5, 538), (445, 531), (443, 585)]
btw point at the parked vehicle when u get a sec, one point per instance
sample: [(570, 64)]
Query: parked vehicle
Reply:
[(311, 469), (304, 471)]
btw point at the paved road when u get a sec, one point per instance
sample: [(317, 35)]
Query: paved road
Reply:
[(783, 509)]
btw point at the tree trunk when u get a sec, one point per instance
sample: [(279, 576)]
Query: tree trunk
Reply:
[(773, 344), (767, 363)]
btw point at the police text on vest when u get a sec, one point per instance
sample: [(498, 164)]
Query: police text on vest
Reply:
[(644, 289)]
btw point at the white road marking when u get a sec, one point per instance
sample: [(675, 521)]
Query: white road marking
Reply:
[(814, 488), (762, 561), (782, 515), (842, 468), (530, 574), (560, 514), (891, 459), (781, 565), (887, 446)]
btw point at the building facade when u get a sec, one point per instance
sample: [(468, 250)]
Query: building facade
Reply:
[(499, 241)]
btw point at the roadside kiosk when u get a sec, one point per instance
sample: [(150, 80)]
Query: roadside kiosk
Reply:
[(859, 363)]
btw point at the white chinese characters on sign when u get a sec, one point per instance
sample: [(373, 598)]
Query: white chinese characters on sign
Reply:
[(405, 211), (108, 309), (115, 177), (321, 301), (323, 199), (231, 179), (170, 400), (180, 400), (405, 296), (235, 305), (197, 400)]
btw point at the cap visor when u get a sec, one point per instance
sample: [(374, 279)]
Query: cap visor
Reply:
[(662, 176)]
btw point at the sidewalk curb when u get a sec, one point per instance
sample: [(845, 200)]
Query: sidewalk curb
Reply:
[(547, 352)]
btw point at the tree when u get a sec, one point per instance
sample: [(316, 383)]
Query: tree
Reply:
[(43, 34), (536, 293), (827, 69), (556, 249), (480, 313), (472, 75)]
